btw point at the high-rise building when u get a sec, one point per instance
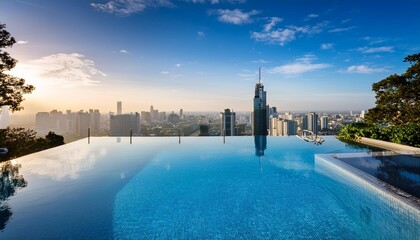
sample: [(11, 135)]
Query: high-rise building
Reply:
[(260, 114), (282, 127), (4, 117), (324, 122), (154, 114), (181, 113), (119, 108), (146, 117), (312, 122), (95, 121), (228, 123), (120, 125), (82, 123), (362, 114)]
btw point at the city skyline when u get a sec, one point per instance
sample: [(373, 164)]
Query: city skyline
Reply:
[(204, 55)]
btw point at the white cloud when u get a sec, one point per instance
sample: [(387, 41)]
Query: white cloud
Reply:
[(21, 42), (61, 70), (164, 72), (261, 61), (178, 65), (125, 7), (364, 69), (123, 51), (301, 65), (247, 75), (272, 23), (376, 49), (200, 34), (235, 16), (326, 46), (281, 36), (341, 29), (311, 16)]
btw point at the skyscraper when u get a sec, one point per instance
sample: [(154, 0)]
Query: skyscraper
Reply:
[(324, 122), (120, 125), (313, 122), (119, 108), (228, 123), (260, 114)]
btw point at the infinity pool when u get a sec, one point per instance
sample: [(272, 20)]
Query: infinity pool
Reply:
[(156, 188)]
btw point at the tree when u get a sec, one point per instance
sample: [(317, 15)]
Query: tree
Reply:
[(54, 140), (397, 96), (18, 141), (11, 88)]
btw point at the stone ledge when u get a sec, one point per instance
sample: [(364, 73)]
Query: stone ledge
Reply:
[(389, 145)]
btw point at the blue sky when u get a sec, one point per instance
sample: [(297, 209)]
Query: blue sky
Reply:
[(203, 55)]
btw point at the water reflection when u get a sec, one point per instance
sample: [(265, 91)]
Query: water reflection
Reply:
[(401, 171), (10, 182), (64, 163), (260, 145)]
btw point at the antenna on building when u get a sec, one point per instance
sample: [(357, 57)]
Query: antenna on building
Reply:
[(259, 76)]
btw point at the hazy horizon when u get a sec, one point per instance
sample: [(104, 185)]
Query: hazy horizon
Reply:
[(204, 55)]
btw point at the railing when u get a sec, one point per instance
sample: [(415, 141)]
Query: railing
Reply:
[(310, 136)]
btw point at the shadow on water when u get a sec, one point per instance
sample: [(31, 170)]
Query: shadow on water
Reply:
[(10, 182)]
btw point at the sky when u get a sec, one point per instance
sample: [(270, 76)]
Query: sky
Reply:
[(204, 55)]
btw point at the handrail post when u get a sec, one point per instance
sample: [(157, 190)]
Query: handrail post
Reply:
[(88, 135)]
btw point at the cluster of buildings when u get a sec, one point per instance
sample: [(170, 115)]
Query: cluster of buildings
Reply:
[(68, 122), (263, 121)]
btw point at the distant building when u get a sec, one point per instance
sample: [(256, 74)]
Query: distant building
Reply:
[(282, 127), (312, 122), (173, 118), (146, 117), (83, 123), (362, 114), (324, 122), (181, 113), (119, 108), (70, 122), (204, 130), (120, 125), (95, 121), (228, 123), (154, 114), (273, 112), (4, 117), (260, 112)]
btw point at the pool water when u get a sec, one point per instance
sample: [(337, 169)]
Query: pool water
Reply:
[(156, 188)]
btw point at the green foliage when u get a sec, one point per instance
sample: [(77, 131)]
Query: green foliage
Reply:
[(407, 134), (21, 141), (54, 140), (397, 96), (11, 88)]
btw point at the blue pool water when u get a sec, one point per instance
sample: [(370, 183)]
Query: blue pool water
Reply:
[(200, 189)]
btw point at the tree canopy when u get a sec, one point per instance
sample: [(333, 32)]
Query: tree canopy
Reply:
[(11, 88), (397, 97)]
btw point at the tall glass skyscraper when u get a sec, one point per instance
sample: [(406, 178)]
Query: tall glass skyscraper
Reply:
[(260, 114)]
